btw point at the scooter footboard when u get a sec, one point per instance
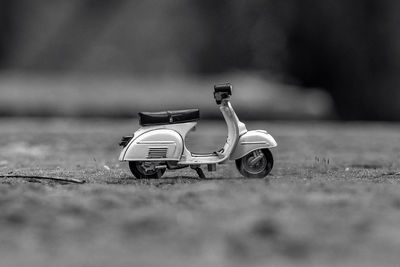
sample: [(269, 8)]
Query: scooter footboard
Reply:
[(251, 141)]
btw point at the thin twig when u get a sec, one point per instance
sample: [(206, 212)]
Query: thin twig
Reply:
[(69, 180), (390, 173)]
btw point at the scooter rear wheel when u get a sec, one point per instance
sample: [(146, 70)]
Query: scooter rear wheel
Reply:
[(256, 164), (138, 169)]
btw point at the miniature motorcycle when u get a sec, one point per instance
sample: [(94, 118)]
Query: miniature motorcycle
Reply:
[(160, 143)]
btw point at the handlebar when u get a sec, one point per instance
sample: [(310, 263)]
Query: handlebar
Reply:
[(222, 91)]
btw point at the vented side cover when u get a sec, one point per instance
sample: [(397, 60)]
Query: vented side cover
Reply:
[(164, 144)]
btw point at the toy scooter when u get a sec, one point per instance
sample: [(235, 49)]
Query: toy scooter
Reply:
[(160, 143)]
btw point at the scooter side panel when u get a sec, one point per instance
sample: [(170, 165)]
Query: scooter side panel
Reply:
[(154, 145), (251, 141)]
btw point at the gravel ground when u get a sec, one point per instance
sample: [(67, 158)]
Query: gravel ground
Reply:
[(332, 199)]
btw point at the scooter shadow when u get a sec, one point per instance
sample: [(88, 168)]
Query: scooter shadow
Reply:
[(172, 180)]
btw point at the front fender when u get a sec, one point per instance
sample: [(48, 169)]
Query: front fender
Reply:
[(251, 141)]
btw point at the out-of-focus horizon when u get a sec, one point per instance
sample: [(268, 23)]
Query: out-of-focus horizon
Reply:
[(287, 59)]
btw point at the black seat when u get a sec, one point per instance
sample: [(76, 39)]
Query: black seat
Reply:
[(168, 117)]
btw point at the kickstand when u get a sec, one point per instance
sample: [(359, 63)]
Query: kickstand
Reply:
[(199, 171)]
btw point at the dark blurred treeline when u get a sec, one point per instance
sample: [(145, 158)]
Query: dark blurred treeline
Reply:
[(349, 48)]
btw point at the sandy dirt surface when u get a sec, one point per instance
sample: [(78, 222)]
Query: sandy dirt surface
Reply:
[(333, 199)]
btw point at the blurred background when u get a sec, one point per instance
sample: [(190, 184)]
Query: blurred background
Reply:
[(326, 59)]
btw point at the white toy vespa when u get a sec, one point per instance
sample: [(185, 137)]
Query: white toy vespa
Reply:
[(160, 143)]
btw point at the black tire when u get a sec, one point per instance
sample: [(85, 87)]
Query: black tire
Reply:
[(261, 169), (139, 172)]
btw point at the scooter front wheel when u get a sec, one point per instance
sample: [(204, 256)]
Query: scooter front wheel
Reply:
[(256, 164), (146, 170)]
